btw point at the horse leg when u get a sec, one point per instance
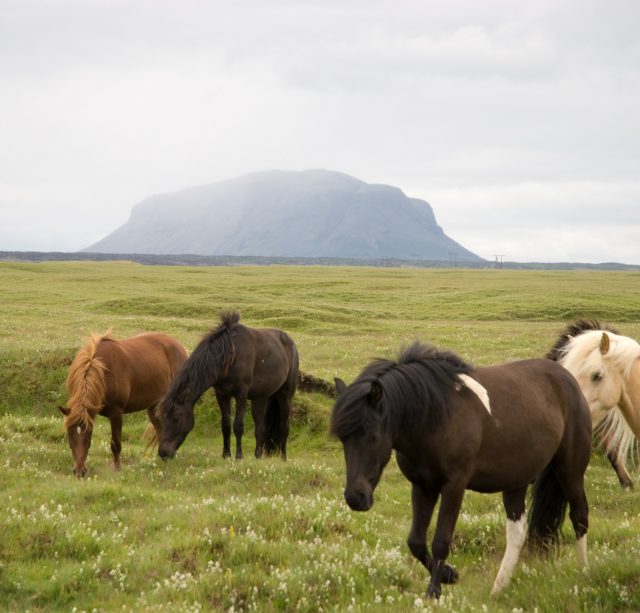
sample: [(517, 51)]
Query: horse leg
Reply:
[(238, 422), (224, 402), (620, 467), (258, 409), (513, 502), (423, 503), (116, 437), (452, 495), (571, 479)]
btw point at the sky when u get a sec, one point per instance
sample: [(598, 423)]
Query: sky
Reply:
[(517, 121)]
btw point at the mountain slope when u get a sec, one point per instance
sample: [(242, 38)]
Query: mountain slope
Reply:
[(313, 213)]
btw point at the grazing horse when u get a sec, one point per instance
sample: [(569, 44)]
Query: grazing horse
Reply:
[(257, 364), (494, 429), (607, 367), (112, 377)]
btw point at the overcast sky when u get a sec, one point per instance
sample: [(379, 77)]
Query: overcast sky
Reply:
[(519, 122)]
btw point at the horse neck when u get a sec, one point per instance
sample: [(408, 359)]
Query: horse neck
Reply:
[(633, 385), (190, 383)]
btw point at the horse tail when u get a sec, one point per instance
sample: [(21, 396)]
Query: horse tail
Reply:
[(548, 510), (86, 383), (151, 437), (274, 412), (310, 383)]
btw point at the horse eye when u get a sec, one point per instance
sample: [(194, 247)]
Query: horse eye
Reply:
[(596, 376)]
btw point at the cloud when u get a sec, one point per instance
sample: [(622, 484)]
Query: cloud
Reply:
[(544, 222), (473, 106)]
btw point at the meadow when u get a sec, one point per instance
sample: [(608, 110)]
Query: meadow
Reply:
[(201, 533)]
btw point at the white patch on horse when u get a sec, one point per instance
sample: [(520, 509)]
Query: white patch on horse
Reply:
[(582, 551), (79, 430), (516, 534), (479, 390)]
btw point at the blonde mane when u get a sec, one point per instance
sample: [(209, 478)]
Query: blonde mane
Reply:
[(86, 383), (582, 353)]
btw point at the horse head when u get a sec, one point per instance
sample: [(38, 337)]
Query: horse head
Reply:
[(176, 421), (359, 424), (601, 379), (79, 437)]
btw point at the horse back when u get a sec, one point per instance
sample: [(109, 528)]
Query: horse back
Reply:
[(266, 360), (536, 408), (139, 369)]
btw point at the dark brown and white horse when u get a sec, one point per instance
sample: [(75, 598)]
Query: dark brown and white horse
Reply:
[(454, 428)]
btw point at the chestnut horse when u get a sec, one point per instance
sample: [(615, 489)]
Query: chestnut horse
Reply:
[(241, 363), (607, 367), (112, 377), (494, 429)]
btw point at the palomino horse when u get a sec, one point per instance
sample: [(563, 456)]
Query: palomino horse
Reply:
[(112, 377), (607, 367), (243, 363), (454, 427)]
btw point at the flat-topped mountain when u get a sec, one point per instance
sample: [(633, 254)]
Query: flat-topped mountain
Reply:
[(313, 213)]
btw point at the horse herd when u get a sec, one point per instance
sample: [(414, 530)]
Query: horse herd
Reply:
[(453, 427)]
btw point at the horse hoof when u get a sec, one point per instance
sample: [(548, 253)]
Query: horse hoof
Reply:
[(449, 574), (627, 485)]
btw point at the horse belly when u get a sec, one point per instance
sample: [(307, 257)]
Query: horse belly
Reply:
[(268, 378), (509, 462)]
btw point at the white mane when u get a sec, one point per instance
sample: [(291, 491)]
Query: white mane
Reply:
[(582, 353)]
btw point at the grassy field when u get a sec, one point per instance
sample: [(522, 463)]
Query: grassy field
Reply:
[(200, 533)]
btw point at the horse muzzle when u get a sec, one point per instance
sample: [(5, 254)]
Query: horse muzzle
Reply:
[(166, 453), (359, 499), (80, 471)]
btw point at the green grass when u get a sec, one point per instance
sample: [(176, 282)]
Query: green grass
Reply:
[(200, 533)]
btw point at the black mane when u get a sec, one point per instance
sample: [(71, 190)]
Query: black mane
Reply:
[(572, 330), (211, 358), (419, 382)]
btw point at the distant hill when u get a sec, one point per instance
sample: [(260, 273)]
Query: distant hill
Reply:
[(310, 214)]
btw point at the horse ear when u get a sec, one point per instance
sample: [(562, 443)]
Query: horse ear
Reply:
[(605, 343), (375, 395), (64, 410), (341, 386)]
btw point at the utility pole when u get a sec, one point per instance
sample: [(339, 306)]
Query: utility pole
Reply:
[(453, 259), (498, 258)]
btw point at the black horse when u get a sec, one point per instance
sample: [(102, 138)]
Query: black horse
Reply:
[(244, 363), (494, 429)]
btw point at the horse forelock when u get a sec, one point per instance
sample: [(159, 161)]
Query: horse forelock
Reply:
[(582, 353), (350, 412), (416, 389), (571, 331), (86, 383)]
